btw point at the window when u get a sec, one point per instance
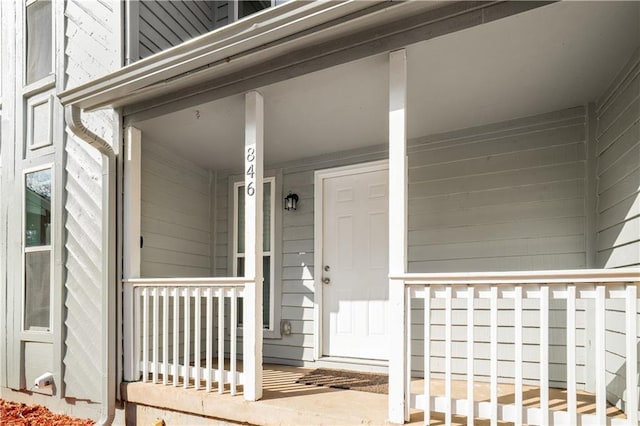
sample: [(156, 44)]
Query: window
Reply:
[(249, 7), (38, 40), (37, 250), (267, 246)]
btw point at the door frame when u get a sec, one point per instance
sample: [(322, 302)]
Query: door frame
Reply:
[(318, 209)]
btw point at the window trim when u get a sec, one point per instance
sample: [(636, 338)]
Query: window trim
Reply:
[(39, 335), (48, 80), (236, 9), (272, 247), (32, 103)]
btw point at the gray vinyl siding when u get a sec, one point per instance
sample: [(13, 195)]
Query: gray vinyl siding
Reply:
[(618, 169), (501, 197), (506, 196), (163, 24), (618, 190), (89, 53), (297, 272), (221, 13), (224, 230), (174, 215)]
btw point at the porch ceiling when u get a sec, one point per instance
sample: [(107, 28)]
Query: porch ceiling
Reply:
[(546, 59)]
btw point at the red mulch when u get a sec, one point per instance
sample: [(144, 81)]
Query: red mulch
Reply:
[(15, 413)]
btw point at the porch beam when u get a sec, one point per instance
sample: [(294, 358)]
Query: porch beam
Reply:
[(252, 312), (398, 375), (131, 245)]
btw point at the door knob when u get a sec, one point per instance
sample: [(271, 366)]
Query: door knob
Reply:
[(326, 268), (326, 280)]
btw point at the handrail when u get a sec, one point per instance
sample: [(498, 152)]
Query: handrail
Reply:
[(523, 277), (192, 282)]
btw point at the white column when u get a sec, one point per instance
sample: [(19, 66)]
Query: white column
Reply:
[(398, 380), (131, 246), (252, 313)]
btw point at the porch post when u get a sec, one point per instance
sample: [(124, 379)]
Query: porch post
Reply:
[(131, 246), (398, 380), (252, 312)]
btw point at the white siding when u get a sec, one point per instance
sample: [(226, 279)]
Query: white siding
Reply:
[(90, 52), (501, 197), (224, 229), (618, 189), (297, 272), (506, 196), (175, 215), (618, 151)]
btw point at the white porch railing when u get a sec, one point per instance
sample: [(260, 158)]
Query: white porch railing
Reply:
[(178, 328), (569, 286)]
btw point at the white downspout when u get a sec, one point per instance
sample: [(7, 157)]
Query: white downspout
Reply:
[(108, 285)]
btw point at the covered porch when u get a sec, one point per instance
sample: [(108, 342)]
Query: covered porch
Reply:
[(287, 402), (503, 264)]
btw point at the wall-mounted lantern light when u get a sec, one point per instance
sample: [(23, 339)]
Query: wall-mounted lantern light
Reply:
[(290, 201)]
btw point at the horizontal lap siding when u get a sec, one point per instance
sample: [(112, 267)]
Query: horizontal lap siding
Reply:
[(163, 24), (618, 189), (618, 151), (297, 272), (175, 215), (506, 196)]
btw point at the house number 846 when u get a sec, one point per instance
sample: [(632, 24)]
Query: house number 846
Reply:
[(251, 157)]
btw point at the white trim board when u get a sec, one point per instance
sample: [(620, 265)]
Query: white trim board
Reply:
[(319, 177)]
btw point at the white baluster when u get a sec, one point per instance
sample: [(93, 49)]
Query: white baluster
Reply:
[(572, 402), (165, 336), (176, 334), (155, 312), (221, 340), (209, 327), (544, 354), (187, 335), (601, 384), (631, 313), (145, 334), (494, 355), (470, 355), (517, 308), (197, 336), (447, 354), (233, 325), (427, 354)]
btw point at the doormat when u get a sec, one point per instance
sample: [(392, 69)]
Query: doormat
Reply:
[(344, 379)]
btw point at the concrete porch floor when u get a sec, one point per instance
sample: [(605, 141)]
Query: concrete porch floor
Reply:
[(288, 403)]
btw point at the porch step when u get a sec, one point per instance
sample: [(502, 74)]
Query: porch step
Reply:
[(284, 403)]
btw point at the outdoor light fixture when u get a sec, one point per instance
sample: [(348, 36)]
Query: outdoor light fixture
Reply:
[(290, 201)]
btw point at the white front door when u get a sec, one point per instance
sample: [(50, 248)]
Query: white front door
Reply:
[(355, 265)]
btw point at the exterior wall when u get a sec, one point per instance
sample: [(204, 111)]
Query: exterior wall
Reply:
[(508, 196), (159, 25), (175, 215), (222, 263), (91, 49), (222, 13), (618, 171), (618, 192)]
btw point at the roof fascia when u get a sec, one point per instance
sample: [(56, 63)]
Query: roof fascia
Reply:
[(376, 32), (215, 47)]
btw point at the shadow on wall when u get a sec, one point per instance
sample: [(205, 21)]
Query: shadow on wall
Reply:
[(617, 378)]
